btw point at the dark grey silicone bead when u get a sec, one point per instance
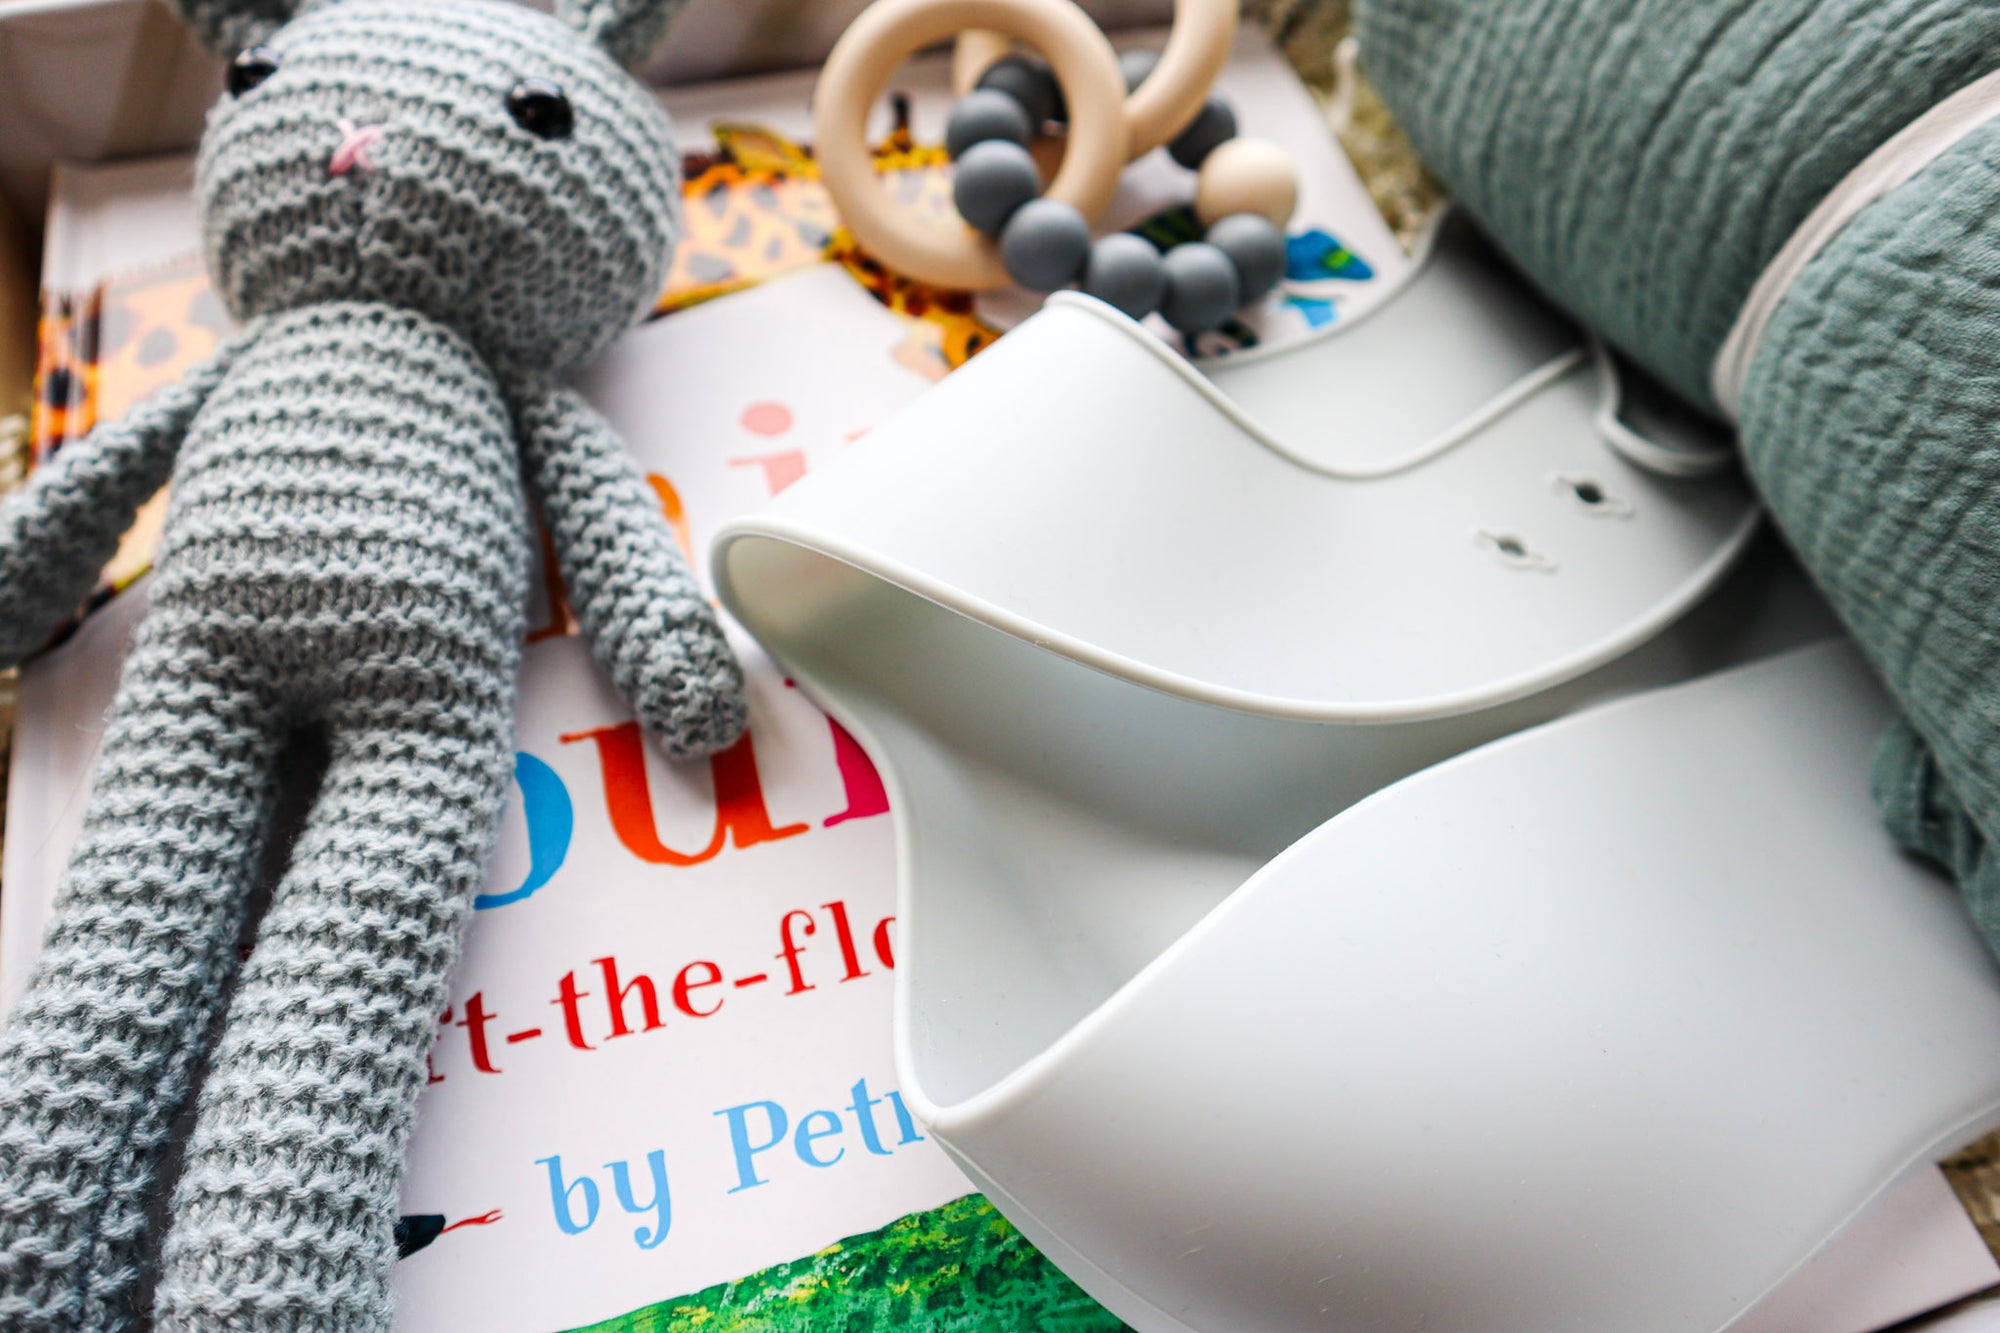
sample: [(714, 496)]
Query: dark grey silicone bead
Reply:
[(1135, 66), (991, 181), (1045, 244), (1126, 271), (1256, 248), (1214, 124), (1028, 82), (986, 114), (1201, 287)]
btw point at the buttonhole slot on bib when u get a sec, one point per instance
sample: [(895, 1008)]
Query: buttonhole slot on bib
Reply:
[(1513, 550), (1591, 495)]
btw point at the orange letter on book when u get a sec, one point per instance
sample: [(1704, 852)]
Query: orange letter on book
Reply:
[(740, 813)]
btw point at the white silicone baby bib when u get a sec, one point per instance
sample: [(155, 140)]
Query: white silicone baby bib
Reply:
[(1119, 641), (1534, 1040), (1415, 514)]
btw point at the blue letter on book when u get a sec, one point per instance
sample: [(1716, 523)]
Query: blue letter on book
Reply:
[(775, 1121), (661, 1203), (560, 1195), (551, 819)]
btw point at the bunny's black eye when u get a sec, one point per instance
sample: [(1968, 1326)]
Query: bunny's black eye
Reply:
[(540, 108), (250, 68)]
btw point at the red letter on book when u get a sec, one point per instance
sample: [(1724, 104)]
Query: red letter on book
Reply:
[(687, 983), (614, 996), (566, 997), (865, 795), (475, 1021), (848, 953)]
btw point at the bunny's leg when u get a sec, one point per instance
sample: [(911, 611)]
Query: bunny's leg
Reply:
[(286, 1209), (98, 1056)]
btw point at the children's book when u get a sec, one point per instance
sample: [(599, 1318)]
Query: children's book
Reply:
[(662, 1096)]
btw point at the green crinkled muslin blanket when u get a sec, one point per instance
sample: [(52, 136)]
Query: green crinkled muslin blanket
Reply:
[(1643, 160)]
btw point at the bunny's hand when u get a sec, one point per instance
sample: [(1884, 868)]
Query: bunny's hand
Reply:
[(645, 617), (57, 531)]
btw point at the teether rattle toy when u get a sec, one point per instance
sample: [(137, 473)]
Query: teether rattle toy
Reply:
[(1109, 109)]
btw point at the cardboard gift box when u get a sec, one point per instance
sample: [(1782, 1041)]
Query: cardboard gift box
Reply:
[(95, 81)]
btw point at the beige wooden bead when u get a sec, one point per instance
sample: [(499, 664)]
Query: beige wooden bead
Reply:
[(1247, 176)]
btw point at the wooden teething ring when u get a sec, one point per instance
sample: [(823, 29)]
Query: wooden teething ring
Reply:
[(943, 250), (1204, 33)]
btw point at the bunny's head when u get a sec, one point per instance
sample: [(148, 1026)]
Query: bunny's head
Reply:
[(475, 160)]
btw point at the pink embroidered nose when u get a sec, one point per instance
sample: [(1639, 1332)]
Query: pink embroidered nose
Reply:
[(355, 141)]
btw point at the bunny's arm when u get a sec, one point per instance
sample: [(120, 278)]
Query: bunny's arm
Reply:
[(57, 531), (645, 617)]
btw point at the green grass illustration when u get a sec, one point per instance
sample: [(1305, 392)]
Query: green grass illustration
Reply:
[(961, 1268)]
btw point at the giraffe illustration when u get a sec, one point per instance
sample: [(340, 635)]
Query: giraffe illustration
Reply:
[(755, 210)]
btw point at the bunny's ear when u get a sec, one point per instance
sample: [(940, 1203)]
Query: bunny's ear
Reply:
[(229, 26), (628, 30)]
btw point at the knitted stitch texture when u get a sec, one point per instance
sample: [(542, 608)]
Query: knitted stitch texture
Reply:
[(346, 549)]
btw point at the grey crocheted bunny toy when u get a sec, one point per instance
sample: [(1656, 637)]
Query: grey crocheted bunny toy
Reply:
[(421, 212)]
